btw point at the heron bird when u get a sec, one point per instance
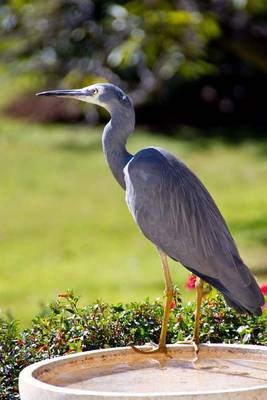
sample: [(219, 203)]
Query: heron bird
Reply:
[(173, 210)]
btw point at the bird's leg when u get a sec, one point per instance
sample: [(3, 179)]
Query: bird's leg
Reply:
[(199, 295), (168, 300), (161, 348)]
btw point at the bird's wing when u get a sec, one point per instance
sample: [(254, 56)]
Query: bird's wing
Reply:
[(173, 208), (175, 211)]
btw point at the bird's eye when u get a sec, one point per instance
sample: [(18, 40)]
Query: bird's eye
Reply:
[(94, 91)]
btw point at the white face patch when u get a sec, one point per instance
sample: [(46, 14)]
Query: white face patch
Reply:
[(105, 95), (94, 92)]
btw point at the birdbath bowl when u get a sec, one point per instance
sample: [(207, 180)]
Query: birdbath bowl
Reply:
[(222, 372)]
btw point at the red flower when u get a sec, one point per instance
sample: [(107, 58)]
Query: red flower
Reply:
[(173, 305), (191, 282), (263, 289)]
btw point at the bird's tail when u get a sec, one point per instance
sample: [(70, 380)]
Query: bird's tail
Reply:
[(249, 297), (246, 297), (256, 310)]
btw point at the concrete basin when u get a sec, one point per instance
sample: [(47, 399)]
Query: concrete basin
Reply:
[(222, 372)]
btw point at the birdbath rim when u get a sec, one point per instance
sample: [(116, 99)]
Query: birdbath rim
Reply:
[(63, 377)]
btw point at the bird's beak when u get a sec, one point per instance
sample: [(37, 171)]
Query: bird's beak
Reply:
[(65, 93)]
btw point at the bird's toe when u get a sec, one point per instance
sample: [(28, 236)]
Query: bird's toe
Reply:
[(154, 349)]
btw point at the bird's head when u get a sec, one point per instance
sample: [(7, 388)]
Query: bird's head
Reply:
[(105, 95)]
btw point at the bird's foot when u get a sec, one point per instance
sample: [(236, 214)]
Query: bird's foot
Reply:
[(195, 346), (155, 349)]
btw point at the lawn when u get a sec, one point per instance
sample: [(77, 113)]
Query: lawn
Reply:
[(65, 225)]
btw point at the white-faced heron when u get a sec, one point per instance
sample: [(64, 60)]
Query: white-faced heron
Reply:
[(173, 209)]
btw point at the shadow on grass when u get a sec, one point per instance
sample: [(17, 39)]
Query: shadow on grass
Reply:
[(198, 139), (206, 138)]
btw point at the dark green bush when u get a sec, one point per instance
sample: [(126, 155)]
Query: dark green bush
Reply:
[(65, 327)]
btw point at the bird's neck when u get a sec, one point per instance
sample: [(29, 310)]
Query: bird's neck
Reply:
[(114, 140)]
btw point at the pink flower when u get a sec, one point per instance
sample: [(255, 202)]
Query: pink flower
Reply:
[(191, 282), (263, 289)]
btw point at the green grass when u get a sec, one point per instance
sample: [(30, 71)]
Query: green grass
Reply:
[(65, 224)]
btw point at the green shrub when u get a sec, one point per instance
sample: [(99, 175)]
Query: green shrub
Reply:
[(65, 327)]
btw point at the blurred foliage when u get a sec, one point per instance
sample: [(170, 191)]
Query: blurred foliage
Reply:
[(144, 43), (70, 43), (65, 327)]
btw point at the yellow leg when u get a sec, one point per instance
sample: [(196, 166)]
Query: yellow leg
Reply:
[(199, 288), (199, 295), (167, 308)]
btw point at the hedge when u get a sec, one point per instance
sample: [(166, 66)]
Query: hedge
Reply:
[(64, 327)]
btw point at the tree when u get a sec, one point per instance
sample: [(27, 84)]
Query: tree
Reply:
[(148, 48), (78, 41)]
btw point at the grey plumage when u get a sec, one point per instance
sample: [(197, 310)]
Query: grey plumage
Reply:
[(175, 211), (171, 206)]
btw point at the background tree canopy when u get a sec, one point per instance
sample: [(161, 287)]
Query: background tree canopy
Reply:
[(201, 63)]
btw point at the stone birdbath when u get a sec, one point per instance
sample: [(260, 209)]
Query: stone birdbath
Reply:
[(222, 372)]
